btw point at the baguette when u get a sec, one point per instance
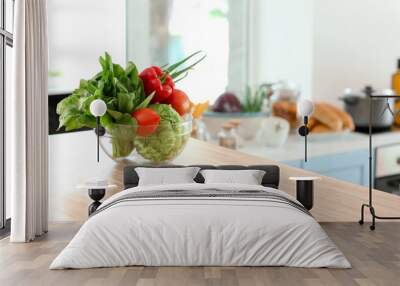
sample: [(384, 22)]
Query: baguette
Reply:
[(326, 116), (347, 120)]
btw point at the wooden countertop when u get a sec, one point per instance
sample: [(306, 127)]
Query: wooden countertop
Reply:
[(334, 200), (323, 144)]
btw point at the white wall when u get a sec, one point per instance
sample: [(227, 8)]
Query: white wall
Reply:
[(79, 32), (325, 46), (355, 43), (282, 47)]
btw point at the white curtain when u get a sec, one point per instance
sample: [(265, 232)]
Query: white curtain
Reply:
[(28, 123)]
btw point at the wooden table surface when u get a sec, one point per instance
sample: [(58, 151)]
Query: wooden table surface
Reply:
[(334, 200)]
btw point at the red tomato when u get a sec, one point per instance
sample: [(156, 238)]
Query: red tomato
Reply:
[(148, 121), (179, 101)]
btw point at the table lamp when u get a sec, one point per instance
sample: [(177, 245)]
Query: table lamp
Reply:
[(305, 108), (98, 108)]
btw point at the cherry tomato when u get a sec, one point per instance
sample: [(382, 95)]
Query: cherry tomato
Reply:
[(179, 101), (148, 121)]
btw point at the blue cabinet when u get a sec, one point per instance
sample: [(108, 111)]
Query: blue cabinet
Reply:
[(348, 166)]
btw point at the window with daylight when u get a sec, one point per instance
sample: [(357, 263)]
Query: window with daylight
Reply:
[(6, 43), (168, 31)]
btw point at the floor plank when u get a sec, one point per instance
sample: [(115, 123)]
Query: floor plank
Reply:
[(375, 257)]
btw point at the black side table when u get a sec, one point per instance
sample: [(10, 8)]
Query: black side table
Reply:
[(305, 190), (96, 193)]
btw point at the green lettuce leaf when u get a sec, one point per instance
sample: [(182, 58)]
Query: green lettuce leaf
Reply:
[(121, 89)]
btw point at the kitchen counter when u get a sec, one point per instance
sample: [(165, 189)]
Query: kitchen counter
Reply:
[(72, 159), (385, 138), (319, 145)]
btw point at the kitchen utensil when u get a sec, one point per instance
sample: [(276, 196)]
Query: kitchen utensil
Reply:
[(357, 105)]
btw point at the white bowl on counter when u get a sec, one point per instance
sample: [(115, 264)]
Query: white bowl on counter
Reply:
[(250, 122)]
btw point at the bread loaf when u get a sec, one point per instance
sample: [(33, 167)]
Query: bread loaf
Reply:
[(347, 120), (328, 117), (286, 110), (321, 128), (312, 122)]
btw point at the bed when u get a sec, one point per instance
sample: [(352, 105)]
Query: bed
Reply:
[(198, 224)]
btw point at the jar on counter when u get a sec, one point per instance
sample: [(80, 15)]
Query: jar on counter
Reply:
[(199, 130), (227, 137), (235, 131), (286, 96)]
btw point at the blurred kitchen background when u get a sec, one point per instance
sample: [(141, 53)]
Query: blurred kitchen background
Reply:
[(263, 56)]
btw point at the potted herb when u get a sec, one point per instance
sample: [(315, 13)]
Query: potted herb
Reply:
[(253, 106)]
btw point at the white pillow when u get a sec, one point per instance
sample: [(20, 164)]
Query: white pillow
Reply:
[(164, 176), (247, 177)]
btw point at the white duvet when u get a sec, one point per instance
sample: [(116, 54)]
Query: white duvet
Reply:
[(200, 231)]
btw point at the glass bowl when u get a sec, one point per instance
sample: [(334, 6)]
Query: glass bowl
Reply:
[(151, 144)]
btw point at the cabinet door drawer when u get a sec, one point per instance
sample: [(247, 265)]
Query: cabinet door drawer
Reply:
[(348, 166), (337, 161), (387, 160)]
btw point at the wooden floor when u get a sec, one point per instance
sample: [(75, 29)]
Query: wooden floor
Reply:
[(375, 257)]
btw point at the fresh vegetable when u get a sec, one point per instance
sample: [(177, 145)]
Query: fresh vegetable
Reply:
[(179, 101), (129, 118), (122, 139), (121, 89), (167, 141), (166, 112), (161, 82), (198, 109), (227, 102), (254, 102), (147, 120), (157, 81)]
